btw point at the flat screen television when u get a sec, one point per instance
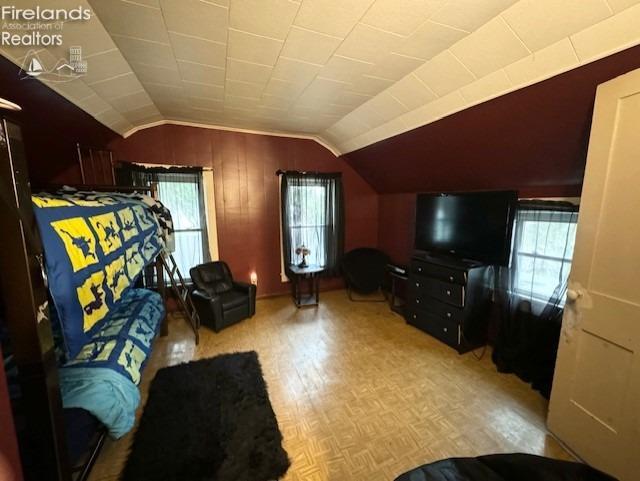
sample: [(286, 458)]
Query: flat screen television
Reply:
[(476, 226)]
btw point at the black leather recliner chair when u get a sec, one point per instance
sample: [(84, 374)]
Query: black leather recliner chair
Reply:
[(219, 300)]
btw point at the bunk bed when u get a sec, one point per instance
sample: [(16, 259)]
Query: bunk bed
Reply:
[(80, 321)]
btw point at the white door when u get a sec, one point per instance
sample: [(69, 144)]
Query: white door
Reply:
[(595, 402)]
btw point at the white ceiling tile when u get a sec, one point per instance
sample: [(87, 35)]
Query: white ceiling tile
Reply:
[(435, 110), (295, 71), (539, 23), (333, 17), (131, 19), (204, 103), (253, 48), (244, 89), (195, 72), (236, 102), (609, 36), (269, 19), (368, 85), (194, 89), (153, 73), (395, 66), (117, 87), (143, 51), (143, 115), (485, 88), (542, 64), (429, 40), (198, 50), (344, 69), (75, 90), (369, 44), (444, 73), (196, 18), (90, 36), (400, 16), (386, 105), (93, 104), (470, 14), (106, 65), (620, 5), (411, 92), (489, 48), (320, 90), (312, 47), (353, 99), (131, 101), (247, 71), (281, 88), (276, 102)]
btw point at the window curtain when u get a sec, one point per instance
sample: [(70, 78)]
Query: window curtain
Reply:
[(312, 216), (530, 293), (181, 190)]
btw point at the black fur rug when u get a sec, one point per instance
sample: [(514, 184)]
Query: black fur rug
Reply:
[(208, 420)]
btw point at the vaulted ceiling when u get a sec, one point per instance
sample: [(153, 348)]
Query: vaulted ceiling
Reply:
[(349, 72)]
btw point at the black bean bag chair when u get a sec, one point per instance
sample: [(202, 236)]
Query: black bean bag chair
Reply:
[(504, 467), (364, 271)]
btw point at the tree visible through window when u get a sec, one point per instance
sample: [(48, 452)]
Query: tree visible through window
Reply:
[(542, 252)]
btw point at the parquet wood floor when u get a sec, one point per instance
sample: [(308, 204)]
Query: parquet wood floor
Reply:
[(362, 396)]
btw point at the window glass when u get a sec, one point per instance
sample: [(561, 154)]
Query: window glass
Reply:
[(543, 249), (307, 219)]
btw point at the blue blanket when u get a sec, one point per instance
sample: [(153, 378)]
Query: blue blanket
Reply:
[(95, 250), (102, 378)]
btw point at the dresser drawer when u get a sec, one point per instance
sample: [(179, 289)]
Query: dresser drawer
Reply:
[(439, 272), (446, 330), (442, 310), (421, 289)]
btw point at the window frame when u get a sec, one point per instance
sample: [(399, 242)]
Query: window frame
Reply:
[(516, 253)]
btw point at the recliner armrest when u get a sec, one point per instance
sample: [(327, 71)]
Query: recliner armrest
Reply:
[(250, 289), (209, 308)]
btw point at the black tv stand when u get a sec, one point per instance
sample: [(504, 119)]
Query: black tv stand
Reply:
[(449, 298)]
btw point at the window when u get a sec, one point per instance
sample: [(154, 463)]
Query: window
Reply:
[(181, 194), (542, 251), (181, 190), (312, 217), (308, 221)]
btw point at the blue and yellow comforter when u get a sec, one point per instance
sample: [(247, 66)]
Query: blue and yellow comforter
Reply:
[(95, 251)]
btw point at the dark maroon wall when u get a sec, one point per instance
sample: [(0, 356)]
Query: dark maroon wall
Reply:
[(51, 127), (244, 167), (533, 139)]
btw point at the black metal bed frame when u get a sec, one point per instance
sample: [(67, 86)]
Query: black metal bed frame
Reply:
[(24, 289)]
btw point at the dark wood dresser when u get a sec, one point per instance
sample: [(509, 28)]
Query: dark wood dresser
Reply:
[(450, 299)]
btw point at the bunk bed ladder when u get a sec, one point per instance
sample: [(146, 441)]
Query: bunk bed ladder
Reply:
[(181, 292)]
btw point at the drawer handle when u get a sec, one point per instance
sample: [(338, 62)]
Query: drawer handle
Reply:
[(417, 301), (445, 329), (448, 314), (448, 292), (417, 284), (414, 316), (451, 278), (419, 269)]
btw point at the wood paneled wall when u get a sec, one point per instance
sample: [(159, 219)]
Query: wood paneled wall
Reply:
[(247, 198)]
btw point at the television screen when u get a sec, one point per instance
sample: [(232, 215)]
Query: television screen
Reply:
[(476, 226)]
